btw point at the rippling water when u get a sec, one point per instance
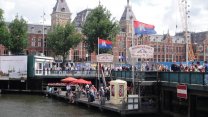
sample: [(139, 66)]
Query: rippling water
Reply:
[(39, 106)]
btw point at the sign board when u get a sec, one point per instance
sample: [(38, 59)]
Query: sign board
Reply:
[(142, 51), (13, 67), (105, 58), (182, 91)]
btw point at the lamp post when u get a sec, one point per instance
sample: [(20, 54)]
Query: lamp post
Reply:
[(164, 45), (204, 51), (43, 41), (172, 51), (157, 48), (132, 44), (126, 40)]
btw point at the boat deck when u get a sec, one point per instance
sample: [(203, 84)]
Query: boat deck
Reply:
[(117, 108)]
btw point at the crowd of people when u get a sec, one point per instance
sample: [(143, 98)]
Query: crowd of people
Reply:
[(146, 66), (88, 91), (194, 67)]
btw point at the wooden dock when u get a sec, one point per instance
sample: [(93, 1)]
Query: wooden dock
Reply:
[(118, 108)]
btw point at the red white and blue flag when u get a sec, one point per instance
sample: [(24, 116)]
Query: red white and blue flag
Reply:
[(143, 28), (104, 44)]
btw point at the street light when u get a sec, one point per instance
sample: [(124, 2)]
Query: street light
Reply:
[(157, 48), (204, 51), (43, 41)]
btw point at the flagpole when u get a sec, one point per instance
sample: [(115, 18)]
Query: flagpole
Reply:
[(98, 66), (133, 64), (43, 40), (132, 59), (98, 45)]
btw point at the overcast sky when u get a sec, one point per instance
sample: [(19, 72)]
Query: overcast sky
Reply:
[(164, 14)]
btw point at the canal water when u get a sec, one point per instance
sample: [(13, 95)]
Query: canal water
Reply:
[(13, 105), (22, 105)]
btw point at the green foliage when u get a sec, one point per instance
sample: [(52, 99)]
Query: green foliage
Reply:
[(4, 33), (61, 39), (99, 24), (1, 15), (18, 35)]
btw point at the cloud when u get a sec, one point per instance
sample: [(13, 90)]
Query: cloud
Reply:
[(8, 6)]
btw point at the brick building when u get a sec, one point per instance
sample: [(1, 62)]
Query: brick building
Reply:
[(2, 50), (35, 39), (166, 48)]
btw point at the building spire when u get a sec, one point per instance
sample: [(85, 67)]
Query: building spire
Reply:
[(128, 2), (61, 13), (61, 6), (99, 3)]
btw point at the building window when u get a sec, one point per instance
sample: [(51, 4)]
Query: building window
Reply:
[(158, 48), (163, 49), (155, 48), (45, 44), (63, 9), (121, 56), (39, 42), (33, 42), (159, 58), (155, 57), (180, 58), (163, 58), (167, 49), (76, 55)]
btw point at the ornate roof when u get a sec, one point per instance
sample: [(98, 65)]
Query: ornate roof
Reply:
[(128, 13), (37, 29), (61, 6), (81, 17)]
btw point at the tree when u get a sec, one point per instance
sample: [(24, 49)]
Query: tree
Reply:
[(61, 39), (18, 35), (4, 33), (99, 24)]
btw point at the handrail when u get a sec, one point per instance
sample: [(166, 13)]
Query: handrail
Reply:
[(197, 78), (73, 73)]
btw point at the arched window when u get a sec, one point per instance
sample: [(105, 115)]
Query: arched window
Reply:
[(62, 9)]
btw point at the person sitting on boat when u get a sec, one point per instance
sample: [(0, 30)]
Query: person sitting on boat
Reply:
[(68, 88), (78, 90), (71, 97), (91, 95), (94, 90), (87, 88), (107, 93), (102, 92)]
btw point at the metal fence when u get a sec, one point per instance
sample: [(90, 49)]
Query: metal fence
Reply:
[(72, 73), (194, 78)]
